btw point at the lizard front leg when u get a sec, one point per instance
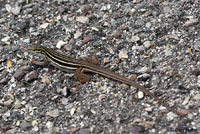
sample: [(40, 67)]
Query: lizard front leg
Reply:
[(92, 60)]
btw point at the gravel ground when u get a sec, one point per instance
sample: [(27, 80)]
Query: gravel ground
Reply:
[(156, 41)]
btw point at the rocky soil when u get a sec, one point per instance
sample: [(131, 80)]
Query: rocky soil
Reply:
[(155, 42)]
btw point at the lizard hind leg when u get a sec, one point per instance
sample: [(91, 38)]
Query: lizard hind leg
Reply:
[(83, 77), (92, 60)]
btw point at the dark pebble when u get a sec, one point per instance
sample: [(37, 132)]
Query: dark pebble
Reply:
[(136, 129), (196, 72), (62, 9), (23, 25), (4, 81), (87, 39), (84, 131), (31, 76), (182, 126), (183, 89), (143, 78), (25, 125), (15, 116), (19, 74)]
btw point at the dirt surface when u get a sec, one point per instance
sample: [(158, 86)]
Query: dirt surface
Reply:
[(157, 42)]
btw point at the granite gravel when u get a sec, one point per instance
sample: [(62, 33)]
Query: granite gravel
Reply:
[(154, 42)]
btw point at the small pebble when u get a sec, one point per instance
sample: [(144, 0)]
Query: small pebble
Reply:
[(31, 76), (87, 39), (123, 54), (149, 109), (2, 20), (196, 72), (35, 33), (60, 44), (197, 45), (110, 49), (19, 74), (53, 113), (166, 10), (143, 70), (26, 40), (171, 116), (62, 9), (84, 131), (25, 125), (15, 48), (4, 81), (9, 99), (77, 34), (135, 129), (26, 68), (132, 11), (5, 39), (69, 45), (107, 7), (185, 102), (72, 111), (8, 8), (132, 77), (168, 52), (82, 19), (117, 34), (148, 25), (147, 124), (147, 44), (49, 125), (155, 80), (45, 79), (69, 106), (134, 39), (85, 8), (11, 131), (190, 116), (44, 26), (140, 95), (191, 22), (196, 97), (143, 77), (113, 22), (23, 25), (63, 91), (4, 73), (16, 9), (65, 101)]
